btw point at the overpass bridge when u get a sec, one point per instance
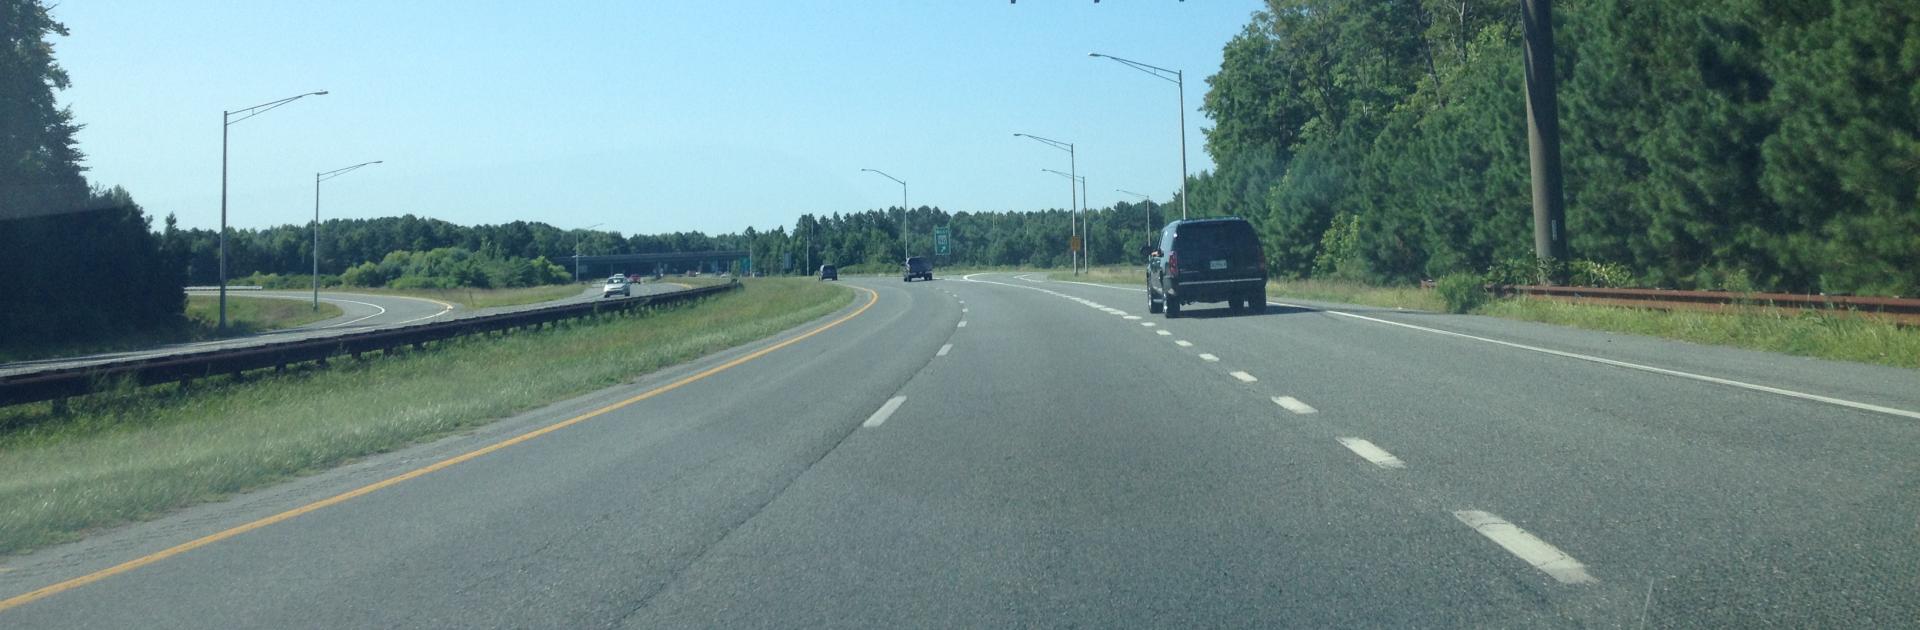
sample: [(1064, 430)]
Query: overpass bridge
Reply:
[(713, 261)]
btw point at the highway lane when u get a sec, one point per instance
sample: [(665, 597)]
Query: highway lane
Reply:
[(1721, 505), (359, 312), (1006, 452)]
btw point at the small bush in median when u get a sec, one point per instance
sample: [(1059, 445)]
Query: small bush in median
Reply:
[(1461, 291)]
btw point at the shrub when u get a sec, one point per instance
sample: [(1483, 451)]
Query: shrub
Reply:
[(1591, 273), (1462, 292)]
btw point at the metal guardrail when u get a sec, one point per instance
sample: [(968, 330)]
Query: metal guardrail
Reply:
[(55, 383), (1905, 311)]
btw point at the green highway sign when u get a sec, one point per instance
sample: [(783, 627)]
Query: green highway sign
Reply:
[(942, 241)]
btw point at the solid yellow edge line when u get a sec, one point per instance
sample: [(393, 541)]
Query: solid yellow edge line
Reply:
[(30, 596)]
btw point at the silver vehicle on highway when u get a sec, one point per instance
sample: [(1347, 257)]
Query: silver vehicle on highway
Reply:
[(617, 284)]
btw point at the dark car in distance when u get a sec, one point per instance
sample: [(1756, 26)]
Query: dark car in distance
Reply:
[(918, 267), (829, 272), (1206, 260)]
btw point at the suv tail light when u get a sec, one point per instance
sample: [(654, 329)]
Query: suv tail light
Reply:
[(1173, 264)]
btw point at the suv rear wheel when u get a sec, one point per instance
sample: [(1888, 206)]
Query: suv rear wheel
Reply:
[(1154, 303), (1173, 309)]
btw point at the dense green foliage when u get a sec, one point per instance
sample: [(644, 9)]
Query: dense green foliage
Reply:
[(449, 267), (64, 246), (1462, 292), (1706, 143)]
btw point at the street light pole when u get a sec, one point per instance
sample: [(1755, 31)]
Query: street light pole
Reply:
[(576, 252), (227, 120), (903, 212), (1179, 80), (317, 178), (1543, 137), (1073, 195), (1086, 218), (1146, 211)]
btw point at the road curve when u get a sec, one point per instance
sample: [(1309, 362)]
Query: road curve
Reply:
[(359, 312), (995, 451)]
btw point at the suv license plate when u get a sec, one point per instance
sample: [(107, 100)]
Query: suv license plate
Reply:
[(1217, 264)]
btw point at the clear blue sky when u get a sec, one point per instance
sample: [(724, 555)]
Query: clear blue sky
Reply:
[(648, 116)]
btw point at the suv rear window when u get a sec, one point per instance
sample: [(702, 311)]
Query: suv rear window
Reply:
[(1213, 239), (917, 264)]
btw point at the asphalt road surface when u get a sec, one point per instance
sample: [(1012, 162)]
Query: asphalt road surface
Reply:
[(1002, 451), (359, 312)]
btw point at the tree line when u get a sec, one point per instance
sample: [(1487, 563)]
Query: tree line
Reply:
[(374, 252), (78, 259), (1733, 144)]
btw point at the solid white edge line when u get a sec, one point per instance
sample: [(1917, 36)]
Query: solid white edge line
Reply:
[(1529, 548), (885, 411), (1644, 368), (1244, 377), (944, 350), (383, 311), (445, 308), (1293, 404), (1368, 451)]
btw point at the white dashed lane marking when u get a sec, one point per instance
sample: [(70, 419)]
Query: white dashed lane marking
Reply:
[(885, 411), (1367, 451), (1161, 332), (1183, 343), (944, 350), (1547, 558), (1209, 358), (1293, 404), (963, 324), (1244, 377)]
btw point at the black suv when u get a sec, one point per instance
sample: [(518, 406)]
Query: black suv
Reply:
[(829, 272), (1206, 260), (918, 267)]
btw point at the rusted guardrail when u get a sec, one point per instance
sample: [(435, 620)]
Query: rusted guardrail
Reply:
[(62, 382), (1904, 311)]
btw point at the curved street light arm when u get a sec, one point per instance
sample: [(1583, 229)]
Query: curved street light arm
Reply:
[(1170, 76), (342, 171), (1063, 146), (267, 107), (1078, 178), (895, 179)]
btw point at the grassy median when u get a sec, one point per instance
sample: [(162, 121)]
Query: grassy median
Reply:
[(249, 315), (482, 298), (245, 316), (133, 454)]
